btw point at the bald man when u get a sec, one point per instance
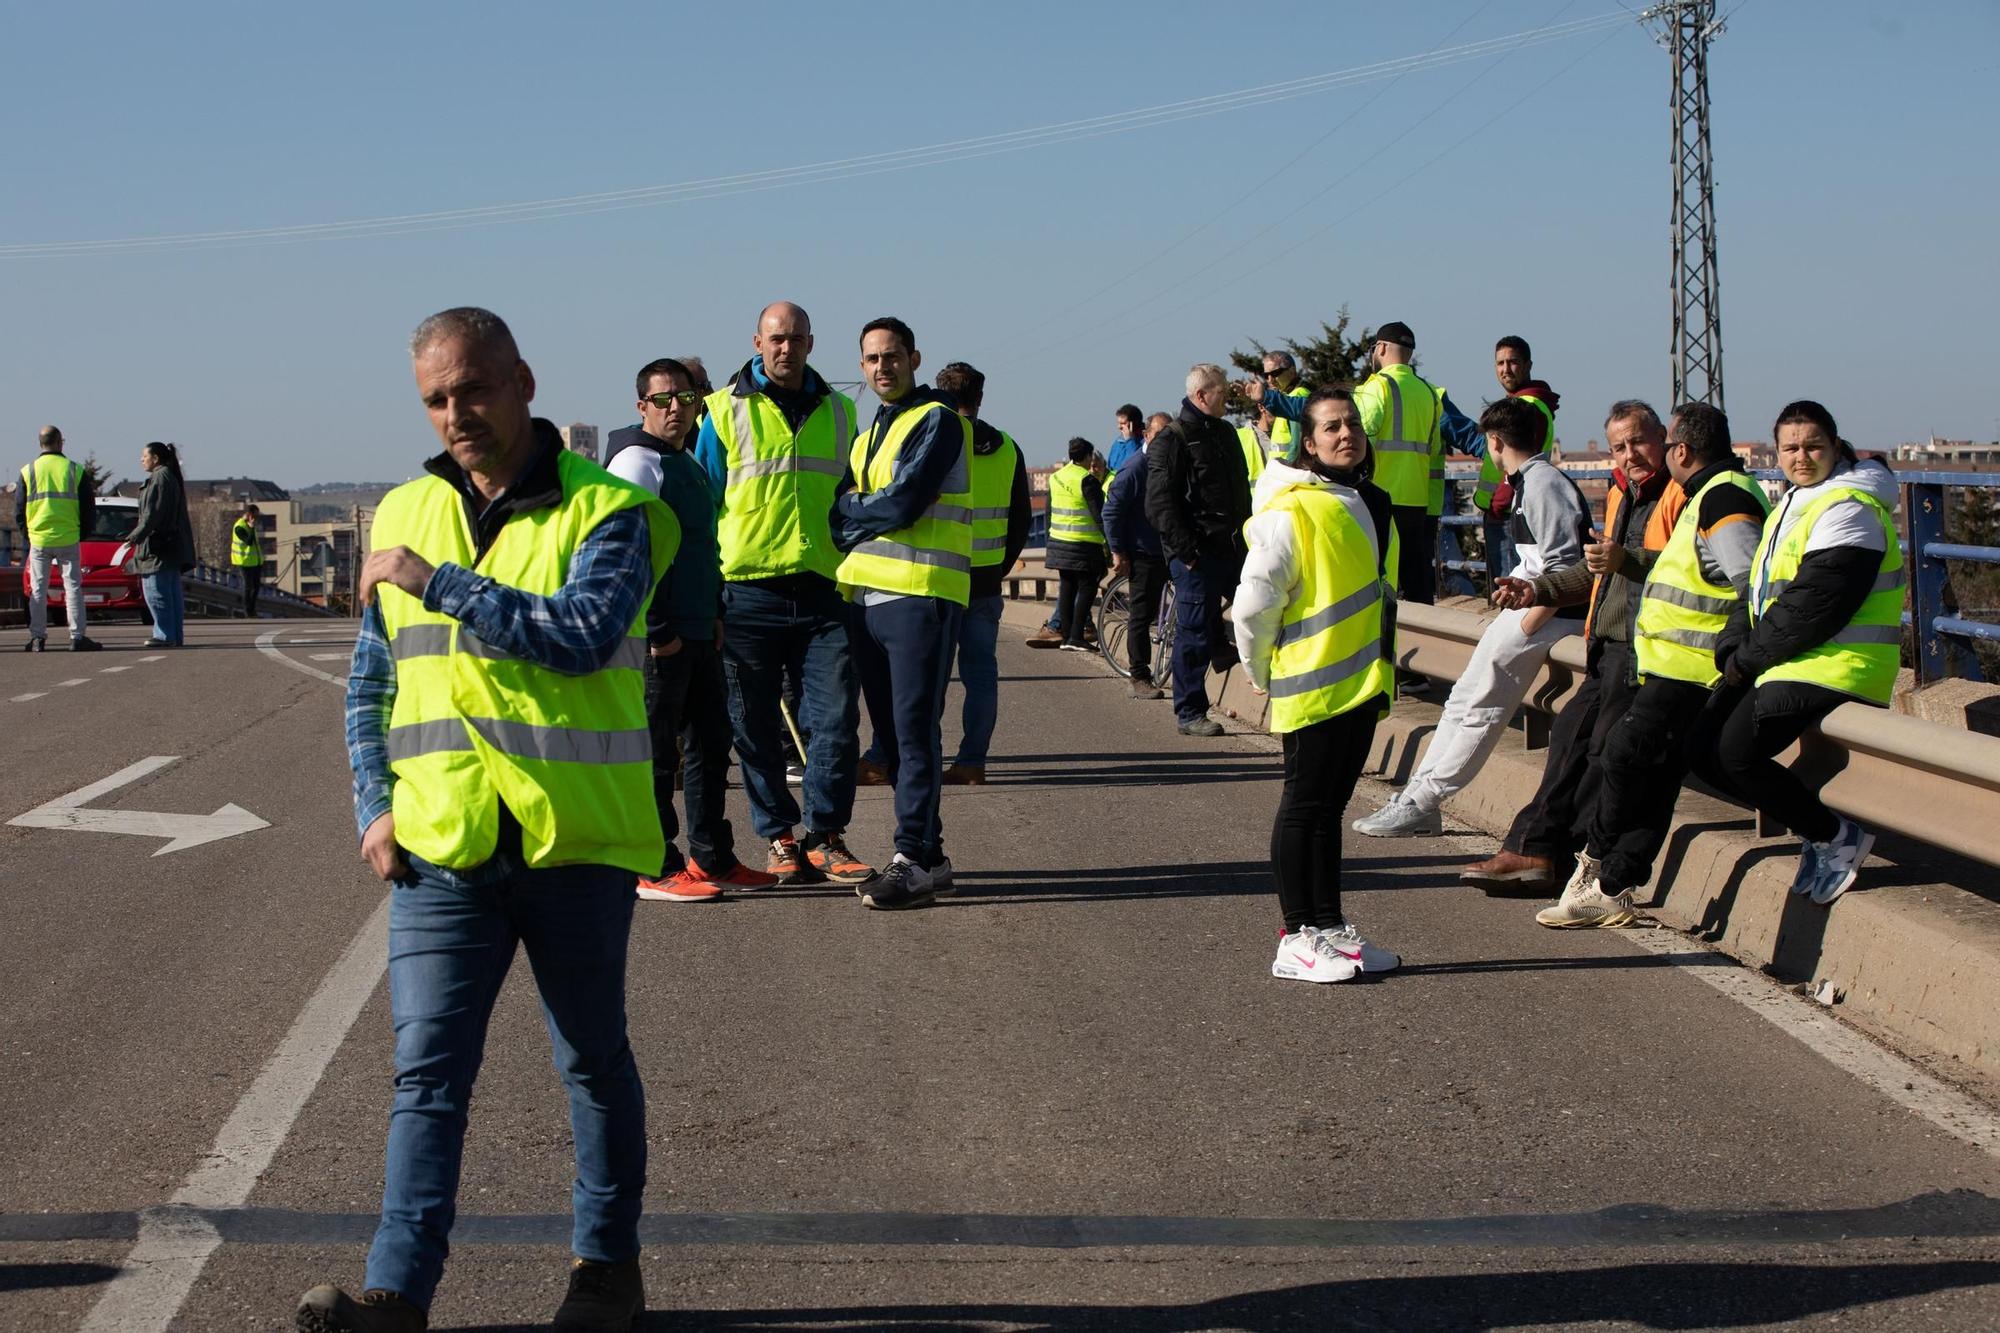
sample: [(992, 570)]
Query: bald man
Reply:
[(775, 443)]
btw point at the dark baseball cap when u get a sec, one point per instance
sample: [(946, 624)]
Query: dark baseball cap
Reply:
[(1397, 332)]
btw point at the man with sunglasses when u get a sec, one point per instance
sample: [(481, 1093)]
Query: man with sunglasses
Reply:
[(686, 701), (775, 446)]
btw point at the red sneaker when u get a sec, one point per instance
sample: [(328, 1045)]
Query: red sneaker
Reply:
[(743, 877), (684, 886)]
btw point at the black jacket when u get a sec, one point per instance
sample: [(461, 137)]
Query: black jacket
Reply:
[(1198, 487)]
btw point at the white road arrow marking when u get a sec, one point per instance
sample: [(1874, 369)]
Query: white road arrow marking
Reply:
[(183, 831)]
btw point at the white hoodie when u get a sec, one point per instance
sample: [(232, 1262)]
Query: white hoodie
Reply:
[(1845, 522), (1271, 577)]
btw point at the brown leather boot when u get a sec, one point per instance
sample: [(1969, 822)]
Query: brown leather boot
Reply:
[(1513, 870), (1045, 638)]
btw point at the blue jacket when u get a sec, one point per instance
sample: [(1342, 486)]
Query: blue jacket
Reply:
[(1122, 450), (1126, 530), (923, 465)]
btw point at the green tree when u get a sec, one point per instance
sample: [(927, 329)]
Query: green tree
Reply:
[(1330, 360), (95, 477)]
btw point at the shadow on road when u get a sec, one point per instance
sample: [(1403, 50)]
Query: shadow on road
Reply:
[(28, 1277), (1111, 883), (1657, 1296)]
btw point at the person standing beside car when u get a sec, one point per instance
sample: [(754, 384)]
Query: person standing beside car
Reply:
[(54, 508), (162, 542)]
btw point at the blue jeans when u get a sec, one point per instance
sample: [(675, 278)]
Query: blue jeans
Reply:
[(167, 600), (798, 624), (1201, 640), (979, 671), (904, 651), (452, 937)]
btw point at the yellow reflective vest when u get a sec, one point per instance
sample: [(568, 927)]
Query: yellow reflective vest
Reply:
[(1401, 412), (52, 485), (1861, 659), (1253, 453), (1070, 519), (1329, 656), (246, 549), (472, 726), (992, 497), (1284, 439), (932, 557), (1489, 471), (779, 486), (1681, 614)]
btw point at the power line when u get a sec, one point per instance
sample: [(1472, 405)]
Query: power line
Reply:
[(819, 172)]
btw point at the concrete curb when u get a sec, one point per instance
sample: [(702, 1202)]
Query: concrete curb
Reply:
[(1919, 963)]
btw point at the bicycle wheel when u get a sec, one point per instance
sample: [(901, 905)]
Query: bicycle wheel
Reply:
[(1163, 638), (1112, 613)]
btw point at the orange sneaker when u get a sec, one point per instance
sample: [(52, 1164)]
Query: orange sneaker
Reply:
[(741, 876), (871, 774), (787, 864), (828, 854), (683, 886)]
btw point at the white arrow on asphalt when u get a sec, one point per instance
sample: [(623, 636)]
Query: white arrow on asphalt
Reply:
[(183, 831)]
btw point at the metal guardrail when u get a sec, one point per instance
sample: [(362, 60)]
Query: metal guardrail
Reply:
[(224, 588), (1937, 784)]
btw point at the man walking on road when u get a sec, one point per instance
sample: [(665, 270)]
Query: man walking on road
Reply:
[(496, 724), (687, 703), (246, 552), (1198, 499), (775, 446), (907, 529), (54, 507)]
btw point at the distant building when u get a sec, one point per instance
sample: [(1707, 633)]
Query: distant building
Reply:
[(1948, 453), (580, 439)]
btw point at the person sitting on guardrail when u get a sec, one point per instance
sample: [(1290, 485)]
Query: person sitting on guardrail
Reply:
[(1639, 512), (1822, 627), (1137, 557), (1550, 521), (1314, 619), (1695, 585)]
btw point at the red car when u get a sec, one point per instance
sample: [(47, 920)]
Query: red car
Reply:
[(106, 587)]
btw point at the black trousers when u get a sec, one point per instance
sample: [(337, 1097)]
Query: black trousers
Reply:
[(1075, 592), (1736, 740), (687, 711), (1322, 764), (1416, 571), (253, 583), (1646, 756), (1556, 822), (1143, 588)]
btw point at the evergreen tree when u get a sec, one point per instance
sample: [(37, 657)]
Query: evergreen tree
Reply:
[(1330, 360)]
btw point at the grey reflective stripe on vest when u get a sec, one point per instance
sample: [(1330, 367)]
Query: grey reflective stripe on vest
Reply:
[(1888, 581), (565, 745), (1328, 617), (1284, 687), (445, 736), (432, 640), (766, 467), (983, 514), (944, 513), (1396, 444), (1692, 601), (1067, 512), (989, 543), (915, 555), (1865, 634), (1689, 638), (72, 476)]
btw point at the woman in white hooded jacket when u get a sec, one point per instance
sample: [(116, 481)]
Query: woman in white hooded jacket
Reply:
[(1822, 627), (1326, 727)]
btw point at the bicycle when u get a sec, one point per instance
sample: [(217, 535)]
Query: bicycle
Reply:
[(1113, 622)]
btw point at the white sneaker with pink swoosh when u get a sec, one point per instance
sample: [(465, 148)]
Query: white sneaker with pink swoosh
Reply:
[(1300, 960)]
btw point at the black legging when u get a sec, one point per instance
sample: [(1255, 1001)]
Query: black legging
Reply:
[(1075, 592), (1733, 749), (1322, 764)]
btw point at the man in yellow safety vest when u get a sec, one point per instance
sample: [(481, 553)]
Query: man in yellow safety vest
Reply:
[(54, 506), (246, 553), (496, 725)]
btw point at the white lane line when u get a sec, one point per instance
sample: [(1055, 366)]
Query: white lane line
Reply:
[(23, 698), (154, 658), (112, 671), (1887, 1073), (264, 646), (65, 684), (153, 1283), (332, 657)]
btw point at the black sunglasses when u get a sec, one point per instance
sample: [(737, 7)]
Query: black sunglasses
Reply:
[(685, 397)]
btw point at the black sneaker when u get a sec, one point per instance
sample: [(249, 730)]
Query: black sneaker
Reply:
[(902, 883), (603, 1298), (83, 643), (33, 646), (328, 1309)]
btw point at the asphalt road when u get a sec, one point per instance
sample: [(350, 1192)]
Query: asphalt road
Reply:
[(1071, 1097)]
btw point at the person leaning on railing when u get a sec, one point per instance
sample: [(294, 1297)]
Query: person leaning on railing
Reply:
[(1822, 627)]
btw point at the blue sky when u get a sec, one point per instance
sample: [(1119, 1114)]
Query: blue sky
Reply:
[(1854, 146)]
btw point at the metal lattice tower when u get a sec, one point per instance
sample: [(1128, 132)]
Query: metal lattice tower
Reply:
[(1684, 29)]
